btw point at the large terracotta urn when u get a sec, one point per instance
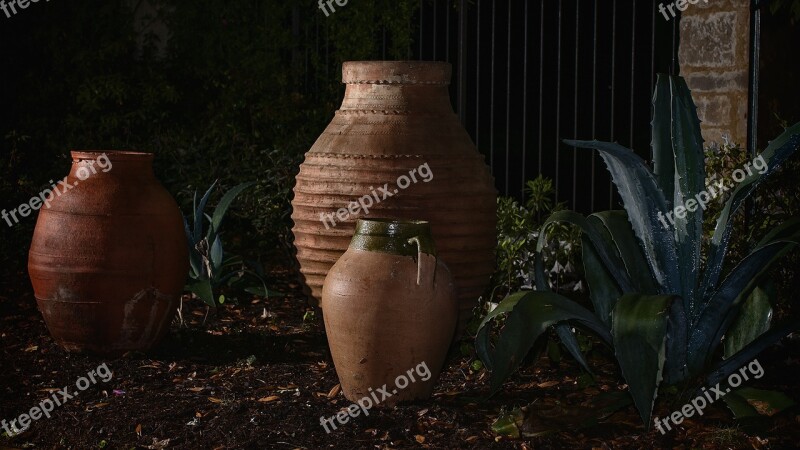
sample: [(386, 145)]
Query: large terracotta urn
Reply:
[(109, 256), (395, 149), (390, 311)]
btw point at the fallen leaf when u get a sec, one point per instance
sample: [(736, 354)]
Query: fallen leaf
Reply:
[(548, 384), (271, 398), (214, 400), (335, 391), (90, 408), (158, 445), (196, 389)]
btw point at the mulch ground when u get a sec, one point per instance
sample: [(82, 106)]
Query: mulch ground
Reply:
[(258, 374)]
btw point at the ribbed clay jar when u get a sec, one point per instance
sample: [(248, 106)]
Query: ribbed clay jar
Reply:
[(390, 311), (396, 118), (109, 256)]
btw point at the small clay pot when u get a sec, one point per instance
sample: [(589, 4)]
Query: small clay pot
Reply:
[(390, 310), (109, 256)]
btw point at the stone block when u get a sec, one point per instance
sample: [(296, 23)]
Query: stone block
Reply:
[(709, 40)]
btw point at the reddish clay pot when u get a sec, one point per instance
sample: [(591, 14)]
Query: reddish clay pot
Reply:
[(390, 311), (396, 117), (109, 257)]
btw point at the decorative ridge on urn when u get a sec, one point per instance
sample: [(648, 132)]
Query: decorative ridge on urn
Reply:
[(396, 72)]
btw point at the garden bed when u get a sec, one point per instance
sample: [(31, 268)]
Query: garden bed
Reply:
[(259, 375)]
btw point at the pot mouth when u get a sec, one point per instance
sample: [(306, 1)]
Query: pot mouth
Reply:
[(396, 72), (116, 155), (391, 227)]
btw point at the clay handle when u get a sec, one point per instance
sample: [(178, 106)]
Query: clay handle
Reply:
[(426, 263)]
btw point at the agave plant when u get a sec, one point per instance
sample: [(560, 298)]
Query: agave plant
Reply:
[(209, 268), (664, 317)]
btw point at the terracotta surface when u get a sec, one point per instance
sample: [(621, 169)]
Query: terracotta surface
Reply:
[(109, 258), (390, 305), (395, 117)]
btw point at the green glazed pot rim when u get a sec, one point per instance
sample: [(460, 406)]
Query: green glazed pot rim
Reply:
[(383, 226), (396, 236)]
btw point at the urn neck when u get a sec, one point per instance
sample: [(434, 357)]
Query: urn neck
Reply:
[(397, 237), (398, 87)]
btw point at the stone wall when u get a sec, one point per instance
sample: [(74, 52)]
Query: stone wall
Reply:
[(714, 59)]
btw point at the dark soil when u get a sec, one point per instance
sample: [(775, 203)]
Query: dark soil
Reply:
[(256, 375)]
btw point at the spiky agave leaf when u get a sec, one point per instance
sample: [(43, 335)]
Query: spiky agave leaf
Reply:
[(532, 313), (774, 155), (724, 304), (639, 332), (645, 204)]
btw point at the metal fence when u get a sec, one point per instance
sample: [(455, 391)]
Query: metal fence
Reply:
[(528, 74)]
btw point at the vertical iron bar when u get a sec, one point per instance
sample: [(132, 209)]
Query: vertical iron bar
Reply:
[(633, 67), (421, 34), (462, 61), (541, 79), (435, 25), (594, 104), (653, 52), (676, 40), (575, 107), (525, 102), (447, 31), (491, 97), (558, 101), (408, 33), (752, 98), (613, 93), (306, 50), (478, 78), (508, 99), (327, 50)]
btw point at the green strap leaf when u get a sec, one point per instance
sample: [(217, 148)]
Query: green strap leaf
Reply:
[(640, 332), (752, 321), (199, 211), (202, 289), (769, 402), (225, 203), (217, 255)]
